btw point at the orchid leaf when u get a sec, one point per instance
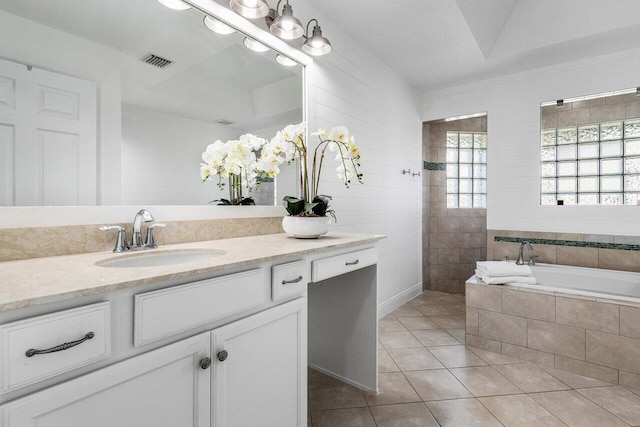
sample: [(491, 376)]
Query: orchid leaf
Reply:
[(294, 205)]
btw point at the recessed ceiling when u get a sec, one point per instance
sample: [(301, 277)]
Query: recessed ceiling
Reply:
[(436, 43)]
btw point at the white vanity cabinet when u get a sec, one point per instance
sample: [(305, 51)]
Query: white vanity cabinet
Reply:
[(165, 387)]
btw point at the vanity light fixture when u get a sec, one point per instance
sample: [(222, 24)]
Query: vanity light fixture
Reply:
[(175, 4), (286, 61), (252, 9), (286, 26), (217, 26), (316, 45), (254, 45)]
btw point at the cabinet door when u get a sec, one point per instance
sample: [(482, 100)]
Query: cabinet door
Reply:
[(260, 369), (163, 388)]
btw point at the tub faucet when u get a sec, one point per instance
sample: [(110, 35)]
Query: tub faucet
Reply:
[(520, 260), (136, 237)]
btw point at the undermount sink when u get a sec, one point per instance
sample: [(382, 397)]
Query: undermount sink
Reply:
[(156, 259)]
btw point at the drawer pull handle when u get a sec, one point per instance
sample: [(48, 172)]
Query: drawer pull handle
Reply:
[(205, 363), (286, 282), (65, 346), (222, 356), (353, 262)]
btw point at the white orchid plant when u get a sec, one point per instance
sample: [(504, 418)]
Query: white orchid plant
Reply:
[(235, 161), (289, 144)]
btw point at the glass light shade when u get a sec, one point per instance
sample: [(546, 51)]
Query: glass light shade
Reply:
[(217, 26), (252, 9), (287, 26), (175, 4), (316, 45), (286, 61), (255, 45)]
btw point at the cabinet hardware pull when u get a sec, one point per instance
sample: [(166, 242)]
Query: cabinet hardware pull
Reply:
[(205, 363), (222, 356), (286, 282), (65, 346), (352, 263)]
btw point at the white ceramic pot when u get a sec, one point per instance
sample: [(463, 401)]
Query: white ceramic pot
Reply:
[(306, 227)]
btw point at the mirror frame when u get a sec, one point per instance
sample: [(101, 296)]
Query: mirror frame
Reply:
[(51, 216)]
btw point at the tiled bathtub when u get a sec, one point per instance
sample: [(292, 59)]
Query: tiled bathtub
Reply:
[(581, 320)]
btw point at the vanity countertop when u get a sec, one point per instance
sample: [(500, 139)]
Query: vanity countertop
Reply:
[(37, 281)]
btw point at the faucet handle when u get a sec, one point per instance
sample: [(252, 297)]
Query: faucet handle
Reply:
[(150, 241), (532, 260), (121, 241)]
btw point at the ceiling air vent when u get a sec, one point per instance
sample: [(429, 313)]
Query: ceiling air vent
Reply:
[(156, 61)]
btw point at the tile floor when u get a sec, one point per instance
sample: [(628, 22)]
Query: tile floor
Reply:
[(428, 377)]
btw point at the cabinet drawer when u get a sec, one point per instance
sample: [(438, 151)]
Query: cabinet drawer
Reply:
[(160, 314), (52, 331), (325, 268), (289, 279)]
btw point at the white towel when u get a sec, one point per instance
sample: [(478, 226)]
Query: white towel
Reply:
[(503, 280), (502, 269)]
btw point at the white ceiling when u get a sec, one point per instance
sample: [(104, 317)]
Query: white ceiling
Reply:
[(435, 43)]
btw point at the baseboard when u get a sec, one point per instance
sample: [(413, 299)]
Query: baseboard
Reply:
[(341, 378), (397, 300)]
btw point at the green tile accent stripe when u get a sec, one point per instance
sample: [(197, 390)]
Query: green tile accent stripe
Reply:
[(576, 243), (435, 166)]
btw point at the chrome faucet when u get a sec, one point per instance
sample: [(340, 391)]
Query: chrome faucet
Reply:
[(136, 237), (520, 260)]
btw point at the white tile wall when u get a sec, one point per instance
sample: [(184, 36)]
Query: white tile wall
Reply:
[(513, 106)]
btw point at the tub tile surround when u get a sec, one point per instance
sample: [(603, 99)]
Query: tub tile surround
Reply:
[(458, 385), (585, 336), (580, 250), (36, 242)]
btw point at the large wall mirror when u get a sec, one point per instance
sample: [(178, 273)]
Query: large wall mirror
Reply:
[(88, 117), (590, 149)]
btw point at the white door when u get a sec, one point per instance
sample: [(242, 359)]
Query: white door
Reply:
[(48, 138), (260, 369), (163, 388)]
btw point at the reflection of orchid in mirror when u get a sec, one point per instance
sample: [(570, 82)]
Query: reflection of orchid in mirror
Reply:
[(235, 160), (289, 144)]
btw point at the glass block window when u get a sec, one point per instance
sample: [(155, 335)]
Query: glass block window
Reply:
[(597, 164), (466, 170)]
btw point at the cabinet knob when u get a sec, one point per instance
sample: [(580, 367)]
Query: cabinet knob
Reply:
[(205, 363), (222, 356)]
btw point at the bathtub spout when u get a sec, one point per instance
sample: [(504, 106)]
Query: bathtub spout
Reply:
[(520, 260)]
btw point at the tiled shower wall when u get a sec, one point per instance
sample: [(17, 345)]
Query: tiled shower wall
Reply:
[(582, 250), (453, 239)]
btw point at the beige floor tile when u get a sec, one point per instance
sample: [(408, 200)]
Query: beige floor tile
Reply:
[(574, 380), (403, 415), (530, 378), (387, 317), (576, 410), (393, 388), (437, 384), (457, 308), (414, 359), (434, 310), (326, 392), (449, 322), (400, 339), (519, 410), (354, 417), (390, 325), (406, 310), (456, 356), (484, 381), (494, 358), (462, 413), (434, 337), (458, 334), (616, 399), (416, 323), (386, 363)]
